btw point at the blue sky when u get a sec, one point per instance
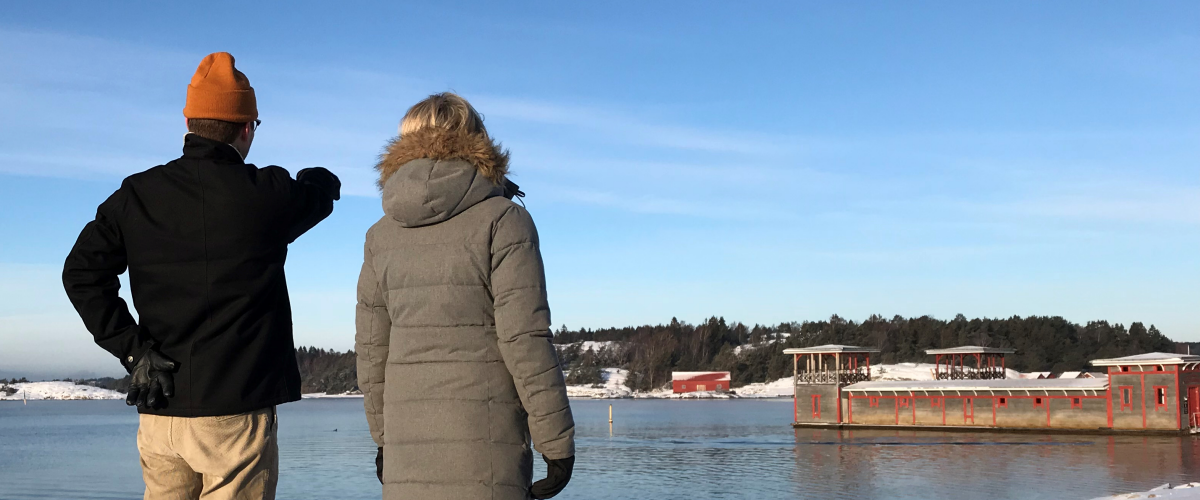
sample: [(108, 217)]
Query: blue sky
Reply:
[(786, 162)]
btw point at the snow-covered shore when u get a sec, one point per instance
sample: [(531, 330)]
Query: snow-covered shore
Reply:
[(57, 390), (1189, 491), (614, 388), (614, 384)]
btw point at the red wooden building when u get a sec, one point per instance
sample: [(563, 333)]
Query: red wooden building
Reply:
[(682, 382)]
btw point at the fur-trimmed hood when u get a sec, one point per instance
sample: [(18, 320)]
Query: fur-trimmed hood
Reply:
[(431, 175)]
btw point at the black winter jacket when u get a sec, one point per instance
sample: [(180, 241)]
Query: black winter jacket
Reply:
[(204, 238)]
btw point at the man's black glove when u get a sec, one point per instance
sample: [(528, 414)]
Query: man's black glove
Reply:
[(323, 179), (558, 473), (379, 465), (151, 382)]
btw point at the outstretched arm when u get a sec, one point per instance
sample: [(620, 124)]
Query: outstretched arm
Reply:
[(523, 328), (312, 196)]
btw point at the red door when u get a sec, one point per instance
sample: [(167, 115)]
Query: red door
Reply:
[(969, 410), (1193, 396)]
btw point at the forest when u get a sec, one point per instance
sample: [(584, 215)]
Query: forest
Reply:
[(755, 353)]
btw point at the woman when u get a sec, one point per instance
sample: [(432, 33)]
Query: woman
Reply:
[(453, 328)]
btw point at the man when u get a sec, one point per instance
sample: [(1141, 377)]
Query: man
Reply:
[(204, 238)]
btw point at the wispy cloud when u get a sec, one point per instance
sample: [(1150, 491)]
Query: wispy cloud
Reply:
[(616, 127)]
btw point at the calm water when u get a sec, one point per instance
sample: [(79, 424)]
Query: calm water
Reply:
[(656, 450)]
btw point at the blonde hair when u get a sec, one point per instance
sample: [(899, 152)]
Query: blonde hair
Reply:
[(444, 127), (445, 110)]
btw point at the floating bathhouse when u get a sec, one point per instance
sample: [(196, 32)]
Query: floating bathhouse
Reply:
[(1155, 392)]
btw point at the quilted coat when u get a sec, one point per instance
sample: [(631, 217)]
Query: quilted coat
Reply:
[(453, 327)]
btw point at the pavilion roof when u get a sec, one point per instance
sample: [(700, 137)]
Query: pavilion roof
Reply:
[(971, 349), (830, 349)]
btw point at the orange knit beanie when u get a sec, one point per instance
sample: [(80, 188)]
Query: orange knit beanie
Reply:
[(220, 92)]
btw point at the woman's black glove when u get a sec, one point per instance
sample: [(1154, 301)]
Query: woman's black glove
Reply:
[(379, 465), (323, 179), (558, 473), (151, 382)]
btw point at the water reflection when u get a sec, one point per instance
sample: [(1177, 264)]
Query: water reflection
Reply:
[(923, 464), (739, 449)]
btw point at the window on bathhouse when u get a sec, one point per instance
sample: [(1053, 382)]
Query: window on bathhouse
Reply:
[(816, 406), (1158, 368), (1124, 368), (1037, 402), (1002, 402), (1076, 402), (873, 401), (1126, 398), (1160, 398)]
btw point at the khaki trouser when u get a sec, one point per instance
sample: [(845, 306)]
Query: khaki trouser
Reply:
[(233, 457)]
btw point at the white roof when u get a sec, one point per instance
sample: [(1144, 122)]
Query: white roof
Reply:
[(829, 348), (1009, 384), (1070, 375), (971, 349), (1153, 358), (686, 375)]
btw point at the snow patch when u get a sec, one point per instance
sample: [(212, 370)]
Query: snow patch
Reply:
[(589, 345), (58, 390), (915, 371)]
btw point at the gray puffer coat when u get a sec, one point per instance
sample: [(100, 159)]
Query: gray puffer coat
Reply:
[(453, 327)]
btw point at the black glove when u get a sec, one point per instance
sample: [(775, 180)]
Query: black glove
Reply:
[(379, 465), (323, 179), (558, 473), (151, 382)]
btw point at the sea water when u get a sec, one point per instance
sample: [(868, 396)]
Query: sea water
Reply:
[(655, 449)]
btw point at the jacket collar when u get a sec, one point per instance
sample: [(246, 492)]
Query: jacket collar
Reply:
[(198, 147)]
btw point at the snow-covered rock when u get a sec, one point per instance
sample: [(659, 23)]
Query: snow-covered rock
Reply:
[(613, 386), (58, 390), (1189, 491)]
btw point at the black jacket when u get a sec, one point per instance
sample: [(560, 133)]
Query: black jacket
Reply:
[(204, 238)]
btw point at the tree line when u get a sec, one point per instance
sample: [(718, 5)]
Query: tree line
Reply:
[(755, 353)]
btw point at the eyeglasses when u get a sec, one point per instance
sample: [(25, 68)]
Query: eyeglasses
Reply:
[(254, 124)]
